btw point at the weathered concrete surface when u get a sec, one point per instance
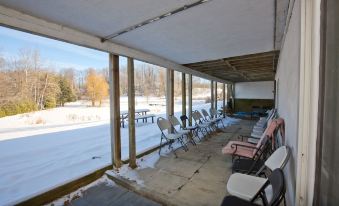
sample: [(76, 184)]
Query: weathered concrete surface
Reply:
[(105, 195), (196, 177)]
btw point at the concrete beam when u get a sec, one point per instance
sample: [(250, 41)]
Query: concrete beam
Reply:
[(28, 23)]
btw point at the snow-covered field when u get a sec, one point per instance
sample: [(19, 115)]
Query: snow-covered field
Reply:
[(45, 149)]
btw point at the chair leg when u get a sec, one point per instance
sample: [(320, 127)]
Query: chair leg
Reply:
[(196, 134), (181, 140), (284, 200), (190, 136), (160, 145)]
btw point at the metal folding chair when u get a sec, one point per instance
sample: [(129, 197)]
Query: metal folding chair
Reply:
[(202, 126), (178, 128), (170, 137), (194, 129)]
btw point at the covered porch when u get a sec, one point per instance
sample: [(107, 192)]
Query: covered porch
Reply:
[(238, 44)]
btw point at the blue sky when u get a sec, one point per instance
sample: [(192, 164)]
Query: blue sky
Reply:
[(55, 53)]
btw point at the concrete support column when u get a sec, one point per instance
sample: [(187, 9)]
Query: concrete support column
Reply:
[(223, 101), (190, 89), (115, 110), (169, 92), (131, 113), (183, 95)]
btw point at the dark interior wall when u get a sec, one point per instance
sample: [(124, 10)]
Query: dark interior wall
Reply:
[(245, 105), (327, 178)]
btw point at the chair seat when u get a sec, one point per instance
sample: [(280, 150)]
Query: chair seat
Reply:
[(183, 132), (258, 129), (241, 151), (233, 200), (256, 135), (211, 121), (253, 140), (244, 165), (260, 124), (217, 119), (173, 136), (204, 125), (191, 127), (244, 186)]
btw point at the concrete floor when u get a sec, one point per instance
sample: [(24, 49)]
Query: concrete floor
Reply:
[(196, 177), (105, 195)]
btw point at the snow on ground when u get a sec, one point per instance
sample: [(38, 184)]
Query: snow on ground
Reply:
[(43, 150)]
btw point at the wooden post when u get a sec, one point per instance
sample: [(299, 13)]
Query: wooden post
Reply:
[(212, 94), (190, 89), (229, 92), (172, 91), (183, 96), (233, 96), (169, 92), (216, 95), (115, 110), (223, 101), (131, 113)]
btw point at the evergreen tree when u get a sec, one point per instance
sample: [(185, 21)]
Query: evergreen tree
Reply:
[(66, 93)]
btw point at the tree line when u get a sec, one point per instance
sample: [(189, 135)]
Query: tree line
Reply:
[(28, 83)]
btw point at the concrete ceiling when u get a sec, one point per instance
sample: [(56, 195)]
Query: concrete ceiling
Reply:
[(213, 30)]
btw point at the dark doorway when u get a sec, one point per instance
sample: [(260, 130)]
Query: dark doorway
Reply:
[(327, 168)]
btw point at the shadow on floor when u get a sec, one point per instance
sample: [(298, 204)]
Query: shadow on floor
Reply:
[(196, 177)]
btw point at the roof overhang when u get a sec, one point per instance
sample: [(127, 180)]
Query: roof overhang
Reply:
[(214, 29), (246, 68)]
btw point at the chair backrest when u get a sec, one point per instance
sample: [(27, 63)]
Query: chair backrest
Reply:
[(271, 128), (261, 147), (271, 116), (278, 159), (213, 112), (277, 181), (196, 116), (205, 113), (163, 124), (174, 121), (183, 117), (200, 117)]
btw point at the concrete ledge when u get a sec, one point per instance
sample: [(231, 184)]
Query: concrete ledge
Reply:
[(72, 186), (133, 186), (65, 189)]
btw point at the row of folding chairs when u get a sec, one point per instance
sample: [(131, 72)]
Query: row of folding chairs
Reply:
[(257, 168), (172, 130)]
